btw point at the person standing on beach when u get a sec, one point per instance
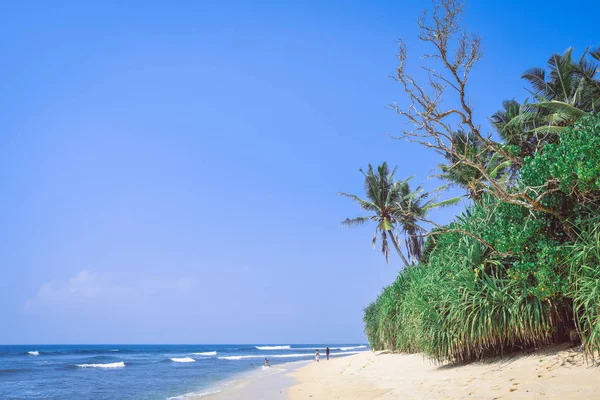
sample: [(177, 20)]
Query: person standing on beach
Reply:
[(327, 353), (317, 356)]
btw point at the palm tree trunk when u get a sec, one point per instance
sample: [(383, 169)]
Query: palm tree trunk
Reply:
[(398, 249)]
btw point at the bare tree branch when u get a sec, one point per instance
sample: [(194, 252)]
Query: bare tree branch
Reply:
[(432, 123)]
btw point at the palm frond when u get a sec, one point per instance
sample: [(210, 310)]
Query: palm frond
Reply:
[(555, 106), (548, 129), (443, 204), (537, 78), (358, 221), (364, 204)]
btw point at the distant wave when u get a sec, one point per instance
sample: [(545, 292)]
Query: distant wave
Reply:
[(235, 358), (60, 352), (33, 353), (331, 348), (194, 395), (119, 364), (183, 360), (206, 354), (273, 347), (352, 348)]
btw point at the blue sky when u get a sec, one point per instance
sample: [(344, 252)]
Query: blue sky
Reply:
[(169, 171)]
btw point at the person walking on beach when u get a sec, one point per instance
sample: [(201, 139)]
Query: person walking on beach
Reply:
[(327, 353), (317, 356), (267, 362)]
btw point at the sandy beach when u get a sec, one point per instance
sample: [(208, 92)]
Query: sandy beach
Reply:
[(554, 373)]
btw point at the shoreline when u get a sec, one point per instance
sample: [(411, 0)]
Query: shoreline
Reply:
[(555, 372), (261, 383)]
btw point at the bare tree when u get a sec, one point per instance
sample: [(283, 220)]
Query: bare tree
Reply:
[(441, 106)]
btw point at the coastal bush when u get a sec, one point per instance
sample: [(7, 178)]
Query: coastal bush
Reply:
[(574, 162), (517, 280), (584, 261), (465, 303), (520, 267)]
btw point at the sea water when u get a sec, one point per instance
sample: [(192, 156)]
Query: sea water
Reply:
[(154, 372)]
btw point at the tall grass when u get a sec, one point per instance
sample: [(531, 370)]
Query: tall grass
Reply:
[(463, 305), (584, 290)]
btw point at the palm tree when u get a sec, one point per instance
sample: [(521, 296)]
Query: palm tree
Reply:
[(516, 125), (410, 209), (510, 134), (466, 177), (382, 193), (567, 92), (571, 82)]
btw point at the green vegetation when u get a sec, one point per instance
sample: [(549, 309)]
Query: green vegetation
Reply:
[(392, 204), (520, 266)]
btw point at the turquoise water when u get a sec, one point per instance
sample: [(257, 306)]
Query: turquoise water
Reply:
[(111, 372)]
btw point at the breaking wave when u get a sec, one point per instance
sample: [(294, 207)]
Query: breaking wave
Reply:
[(119, 364), (183, 360), (33, 353), (352, 348), (273, 347), (206, 354), (235, 358), (194, 395)]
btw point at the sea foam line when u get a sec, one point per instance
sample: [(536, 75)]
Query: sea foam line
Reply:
[(332, 348), (183, 360), (273, 347), (33, 353), (194, 394), (234, 358), (352, 348), (119, 364), (206, 354)]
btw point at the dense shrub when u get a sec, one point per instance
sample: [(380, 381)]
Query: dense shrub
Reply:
[(584, 260), (463, 304), (574, 162), (534, 285)]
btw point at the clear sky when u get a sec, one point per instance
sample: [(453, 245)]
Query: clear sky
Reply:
[(169, 170)]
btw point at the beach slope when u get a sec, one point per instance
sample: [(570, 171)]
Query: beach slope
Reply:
[(554, 373)]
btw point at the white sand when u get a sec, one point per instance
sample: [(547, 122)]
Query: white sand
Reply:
[(554, 373)]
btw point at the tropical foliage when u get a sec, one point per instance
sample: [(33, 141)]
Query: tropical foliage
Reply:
[(466, 301), (520, 266), (396, 210)]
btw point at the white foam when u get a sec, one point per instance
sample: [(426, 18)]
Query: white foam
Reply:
[(235, 358), (183, 360), (331, 348), (344, 353), (194, 394), (273, 347), (119, 364), (206, 354), (33, 353), (115, 350), (352, 348), (238, 357)]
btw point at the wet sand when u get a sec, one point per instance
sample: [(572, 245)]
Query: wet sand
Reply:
[(261, 384)]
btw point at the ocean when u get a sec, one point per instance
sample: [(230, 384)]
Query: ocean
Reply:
[(148, 372)]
